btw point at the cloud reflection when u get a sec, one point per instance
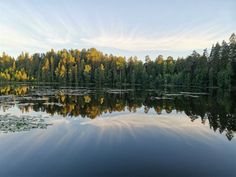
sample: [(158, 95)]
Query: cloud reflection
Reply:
[(75, 146)]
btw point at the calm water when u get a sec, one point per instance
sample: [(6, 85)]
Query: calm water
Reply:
[(78, 131)]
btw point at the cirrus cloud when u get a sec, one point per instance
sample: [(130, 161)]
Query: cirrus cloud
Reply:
[(148, 44)]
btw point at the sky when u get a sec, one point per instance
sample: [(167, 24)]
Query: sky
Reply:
[(121, 27)]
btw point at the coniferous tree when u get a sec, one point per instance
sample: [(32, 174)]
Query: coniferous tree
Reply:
[(93, 67)]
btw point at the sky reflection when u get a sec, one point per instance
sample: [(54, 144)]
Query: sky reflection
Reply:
[(136, 145)]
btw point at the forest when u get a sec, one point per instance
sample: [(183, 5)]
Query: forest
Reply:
[(216, 68)]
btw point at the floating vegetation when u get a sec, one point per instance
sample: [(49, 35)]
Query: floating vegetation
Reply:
[(53, 104), (119, 91), (6, 98), (12, 123), (161, 98), (43, 92), (41, 99), (25, 104), (192, 96), (74, 92), (24, 98), (173, 94), (194, 93)]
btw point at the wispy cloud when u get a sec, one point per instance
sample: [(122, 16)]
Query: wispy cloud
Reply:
[(147, 44), (175, 40), (38, 27)]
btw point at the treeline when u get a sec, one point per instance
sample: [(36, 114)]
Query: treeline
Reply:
[(218, 68)]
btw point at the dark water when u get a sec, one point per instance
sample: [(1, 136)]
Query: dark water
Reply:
[(78, 131)]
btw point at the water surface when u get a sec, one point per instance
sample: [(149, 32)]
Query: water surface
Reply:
[(79, 131)]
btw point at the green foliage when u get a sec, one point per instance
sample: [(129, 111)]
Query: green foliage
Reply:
[(92, 66)]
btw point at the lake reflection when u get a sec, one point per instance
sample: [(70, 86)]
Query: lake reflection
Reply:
[(215, 106), (113, 132)]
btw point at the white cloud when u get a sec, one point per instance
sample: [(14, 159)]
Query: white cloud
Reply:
[(34, 29), (147, 44), (182, 38)]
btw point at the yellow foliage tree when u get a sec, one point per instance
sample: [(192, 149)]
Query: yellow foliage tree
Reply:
[(87, 68)]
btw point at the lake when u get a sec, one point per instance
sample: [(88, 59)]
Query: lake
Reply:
[(83, 131)]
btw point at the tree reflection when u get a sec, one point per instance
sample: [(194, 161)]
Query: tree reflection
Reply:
[(218, 107)]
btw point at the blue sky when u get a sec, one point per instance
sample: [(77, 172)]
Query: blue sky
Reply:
[(120, 27)]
